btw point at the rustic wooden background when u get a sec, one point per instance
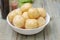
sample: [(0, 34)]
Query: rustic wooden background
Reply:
[(0, 3), (51, 32)]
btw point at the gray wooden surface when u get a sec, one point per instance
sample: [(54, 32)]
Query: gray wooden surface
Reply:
[(51, 32)]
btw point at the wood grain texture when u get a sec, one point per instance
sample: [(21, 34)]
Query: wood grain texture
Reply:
[(6, 33), (52, 30), (40, 36)]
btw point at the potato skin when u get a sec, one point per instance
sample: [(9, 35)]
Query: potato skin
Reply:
[(31, 23), (41, 21), (18, 21), (25, 15), (33, 13), (42, 12), (26, 7)]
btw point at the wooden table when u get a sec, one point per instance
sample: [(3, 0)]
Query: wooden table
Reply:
[(51, 32)]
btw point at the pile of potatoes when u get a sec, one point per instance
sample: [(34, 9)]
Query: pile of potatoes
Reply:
[(27, 17)]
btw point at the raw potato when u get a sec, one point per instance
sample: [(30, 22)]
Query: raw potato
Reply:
[(33, 13), (42, 12), (12, 14), (26, 7), (25, 15), (31, 23), (41, 21), (18, 11), (18, 21)]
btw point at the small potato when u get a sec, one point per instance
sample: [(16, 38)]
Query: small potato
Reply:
[(42, 12), (26, 7), (33, 13), (25, 15), (31, 23), (41, 21), (18, 21), (12, 14), (19, 12)]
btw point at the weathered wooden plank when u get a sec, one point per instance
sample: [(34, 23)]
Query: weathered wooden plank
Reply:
[(31, 37), (6, 33), (40, 36), (20, 37), (52, 8), (52, 30)]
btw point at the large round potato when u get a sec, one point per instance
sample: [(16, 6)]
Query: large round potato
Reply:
[(31, 23), (12, 14), (41, 21), (33, 13), (18, 21), (26, 7), (42, 12), (25, 15)]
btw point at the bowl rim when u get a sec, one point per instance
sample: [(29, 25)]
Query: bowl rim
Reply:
[(28, 29)]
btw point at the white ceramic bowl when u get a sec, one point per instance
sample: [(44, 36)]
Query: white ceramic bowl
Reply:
[(29, 31)]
